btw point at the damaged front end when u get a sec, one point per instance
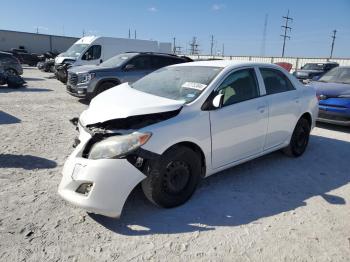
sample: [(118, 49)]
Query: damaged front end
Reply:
[(120, 139)]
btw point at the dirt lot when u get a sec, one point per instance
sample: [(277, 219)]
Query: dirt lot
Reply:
[(272, 209)]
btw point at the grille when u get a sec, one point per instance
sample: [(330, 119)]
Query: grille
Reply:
[(72, 79)]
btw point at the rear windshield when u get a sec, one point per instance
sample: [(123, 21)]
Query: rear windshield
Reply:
[(184, 83)]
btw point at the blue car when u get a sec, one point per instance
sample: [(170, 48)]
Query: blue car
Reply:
[(333, 92)]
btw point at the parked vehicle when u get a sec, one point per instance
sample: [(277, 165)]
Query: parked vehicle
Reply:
[(10, 64), (333, 91), (182, 123), (93, 50), (47, 66), (12, 81), (313, 71), (24, 57), (61, 72), (285, 65), (89, 81)]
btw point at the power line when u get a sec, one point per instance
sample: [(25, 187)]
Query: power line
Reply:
[(286, 28), (333, 36)]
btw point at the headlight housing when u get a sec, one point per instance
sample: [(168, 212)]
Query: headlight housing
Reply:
[(86, 77), (118, 146)]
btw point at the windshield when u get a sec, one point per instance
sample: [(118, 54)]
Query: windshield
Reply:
[(184, 83), (337, 75), (313, 67), (117, 60), (75, 50)]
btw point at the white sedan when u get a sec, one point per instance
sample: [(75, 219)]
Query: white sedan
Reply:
[(180, 124)]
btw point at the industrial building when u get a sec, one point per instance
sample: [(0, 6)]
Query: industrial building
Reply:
[(41, 43)]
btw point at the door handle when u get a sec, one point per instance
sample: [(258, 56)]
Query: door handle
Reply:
[(296, 99), (261, 109)]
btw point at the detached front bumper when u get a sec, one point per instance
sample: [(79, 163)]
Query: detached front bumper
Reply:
[(110, 180)]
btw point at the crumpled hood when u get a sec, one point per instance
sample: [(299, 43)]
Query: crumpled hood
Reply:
[(59, 59), (331, 89), (123, 101)]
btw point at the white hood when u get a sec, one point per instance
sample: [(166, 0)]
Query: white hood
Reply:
[(123, 101)]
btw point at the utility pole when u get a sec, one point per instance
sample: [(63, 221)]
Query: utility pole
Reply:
[(223, 50), (263, 44), (129, 34), (211, 45), (83, 32), (333, 36), (37, 30), (194, 47), (135, 34), (286, 29), (174, 46)]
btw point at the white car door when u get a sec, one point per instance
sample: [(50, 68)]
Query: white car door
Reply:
[(238, 127), (284, 109)]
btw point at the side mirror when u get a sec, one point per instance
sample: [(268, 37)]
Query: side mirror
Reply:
[(129, 67), (217, 101)]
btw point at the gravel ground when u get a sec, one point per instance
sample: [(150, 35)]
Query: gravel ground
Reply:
[(271, 209)]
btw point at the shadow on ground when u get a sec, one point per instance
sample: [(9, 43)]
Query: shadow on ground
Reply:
[(6, 119), (33, 79), (25, 161), (23, 89), (345, 129), (264, 187)]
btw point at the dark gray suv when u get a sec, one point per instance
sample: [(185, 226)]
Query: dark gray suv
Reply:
[(10, 64), (90, 80)]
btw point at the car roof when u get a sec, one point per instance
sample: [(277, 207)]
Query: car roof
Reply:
[(226, 64), (155, 54)]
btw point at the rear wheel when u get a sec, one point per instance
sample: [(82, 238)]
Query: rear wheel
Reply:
[(299, 140), (174, 178)]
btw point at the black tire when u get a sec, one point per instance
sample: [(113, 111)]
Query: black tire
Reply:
[(11, 72), (173, 178), (299, 140), (103, 87)]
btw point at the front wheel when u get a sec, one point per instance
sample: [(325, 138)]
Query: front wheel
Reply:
[(173, 180), (299, 140)]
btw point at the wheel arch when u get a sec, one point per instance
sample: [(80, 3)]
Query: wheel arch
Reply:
[(308, 117), (197, 149), (108, 80)]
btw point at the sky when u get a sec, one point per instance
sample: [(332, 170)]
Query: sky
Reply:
[(238, 25)]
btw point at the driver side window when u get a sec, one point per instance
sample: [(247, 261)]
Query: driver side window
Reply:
[(93, 53), (239, 86)]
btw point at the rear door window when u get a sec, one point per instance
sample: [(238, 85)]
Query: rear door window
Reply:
[(142, 62), (275, 81)]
